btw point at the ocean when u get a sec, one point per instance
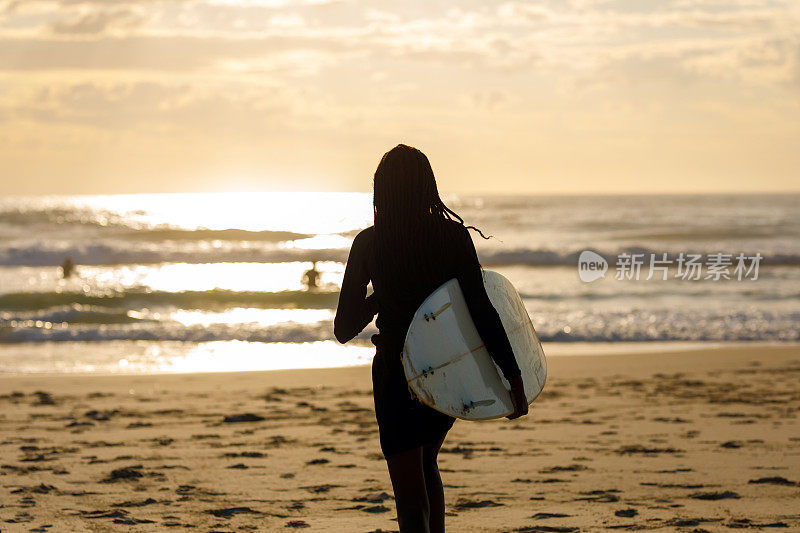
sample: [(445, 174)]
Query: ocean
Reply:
[(213, 282)]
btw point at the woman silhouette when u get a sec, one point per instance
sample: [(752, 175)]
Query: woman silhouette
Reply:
[(415, 245)]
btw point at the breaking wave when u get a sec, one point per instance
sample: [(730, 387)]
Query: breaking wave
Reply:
[(234, 251), (136, 299)]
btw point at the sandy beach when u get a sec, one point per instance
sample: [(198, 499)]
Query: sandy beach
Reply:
[(705, 440)]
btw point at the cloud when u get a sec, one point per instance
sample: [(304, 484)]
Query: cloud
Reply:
[(489, 100), (289, 20), (99, 22), (736, 20), (519, 12), (59, 6), (271, 3), (165, 53), (152, 104)]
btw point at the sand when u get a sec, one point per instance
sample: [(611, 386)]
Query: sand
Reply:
[(695, 441)]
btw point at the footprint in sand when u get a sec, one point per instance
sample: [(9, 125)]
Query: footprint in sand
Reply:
[(376, 509), (36, 489), (230, 512), (126, 473), (545, 516), (775, 480), (253, 455), (374, 497), (673, 485), (463, 504), (43, 398), (246, 417), (320, 489), (747, 523), (140, 503), (732, 444), (724, 495), (602, 496), (639, 449), (543, 529), (568, 468), (130, 521), (278, 440)]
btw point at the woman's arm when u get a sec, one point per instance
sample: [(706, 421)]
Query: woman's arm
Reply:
[(483, 313), (354, 310), (490, 327)]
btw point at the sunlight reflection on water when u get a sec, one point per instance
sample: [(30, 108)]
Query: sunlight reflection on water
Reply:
[(178, 357), (318, 213)]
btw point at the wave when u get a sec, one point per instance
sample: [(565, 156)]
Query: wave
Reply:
[(119, 253), (60, 216), (124, 254), (69, 314), (692, 290), (137, 299), (553, 258), (117, 225), (113, 226), (180, 234), (664, 325), (293, 333), (637, 326)]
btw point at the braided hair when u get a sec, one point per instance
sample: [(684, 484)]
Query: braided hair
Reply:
[(410, 216)]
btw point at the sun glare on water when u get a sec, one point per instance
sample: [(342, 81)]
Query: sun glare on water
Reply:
[(322, 213)]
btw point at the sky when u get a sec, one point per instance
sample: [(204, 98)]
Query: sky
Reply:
[(550, 97)]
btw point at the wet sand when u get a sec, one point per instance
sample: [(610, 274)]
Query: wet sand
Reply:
[(706, 440)]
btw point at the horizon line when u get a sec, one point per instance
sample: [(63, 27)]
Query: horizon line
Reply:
[(444, 193)]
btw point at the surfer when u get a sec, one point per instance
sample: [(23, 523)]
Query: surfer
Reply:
[(311, 276), (416, 244), (67, 268)]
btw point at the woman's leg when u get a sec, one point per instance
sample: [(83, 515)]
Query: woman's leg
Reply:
[(433, 485), (410, 496)]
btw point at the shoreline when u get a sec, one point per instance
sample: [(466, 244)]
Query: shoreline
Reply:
[(577, 365), (551, 349)]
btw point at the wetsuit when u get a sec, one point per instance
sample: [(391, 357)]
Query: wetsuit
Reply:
[(405, 423)]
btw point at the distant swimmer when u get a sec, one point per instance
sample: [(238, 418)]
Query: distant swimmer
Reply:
[(311, 277), (67, 268)]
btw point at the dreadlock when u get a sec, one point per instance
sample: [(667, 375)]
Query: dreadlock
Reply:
[(409, 213)]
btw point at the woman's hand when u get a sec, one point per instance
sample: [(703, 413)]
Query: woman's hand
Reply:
[(518, 399)]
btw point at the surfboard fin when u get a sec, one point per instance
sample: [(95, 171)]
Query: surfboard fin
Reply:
[(432, 316), (467, 407)]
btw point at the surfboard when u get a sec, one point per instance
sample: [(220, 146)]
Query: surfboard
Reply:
[(446, 364)]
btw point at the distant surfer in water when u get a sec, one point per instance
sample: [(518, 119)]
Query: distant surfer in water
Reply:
[(311, 277), (416, 244), (67, 268)]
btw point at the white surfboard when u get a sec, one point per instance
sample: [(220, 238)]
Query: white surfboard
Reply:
[(447, 365)]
